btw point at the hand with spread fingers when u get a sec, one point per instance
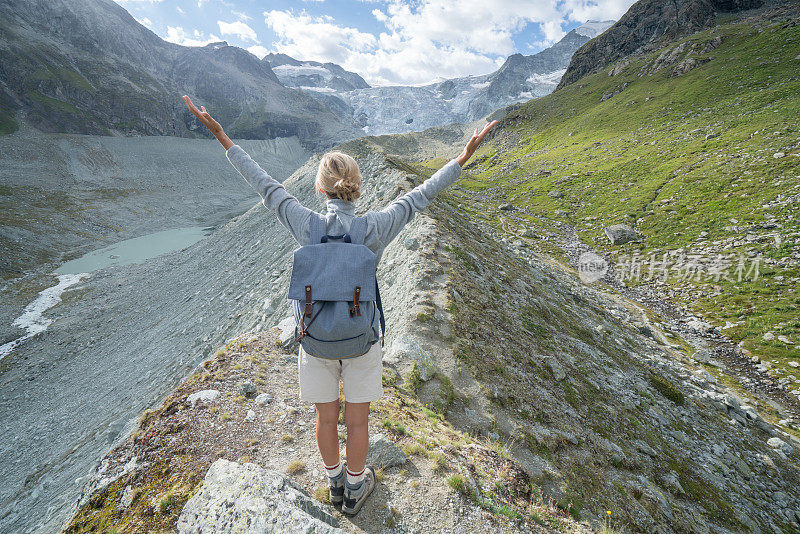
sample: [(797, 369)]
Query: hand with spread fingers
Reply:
[(209, 122), (474, 143)]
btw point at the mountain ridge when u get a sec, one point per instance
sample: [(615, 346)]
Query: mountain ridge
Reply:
[(396, 109), (646, 26), (105, 73)]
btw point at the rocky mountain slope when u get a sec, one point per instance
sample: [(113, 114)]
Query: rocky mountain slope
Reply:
[(93, 190), (695, 147), (593, 398), (646, 26), (393, 109), (87, 66)]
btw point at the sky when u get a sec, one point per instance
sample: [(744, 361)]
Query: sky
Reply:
[(388, 42)]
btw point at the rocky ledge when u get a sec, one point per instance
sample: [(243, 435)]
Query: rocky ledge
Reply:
[(233, 450)]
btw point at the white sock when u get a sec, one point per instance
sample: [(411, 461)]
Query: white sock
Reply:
[(354, 479), (335, 470)]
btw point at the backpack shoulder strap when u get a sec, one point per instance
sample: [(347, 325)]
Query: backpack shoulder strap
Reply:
[(318, 227), (358, 230)]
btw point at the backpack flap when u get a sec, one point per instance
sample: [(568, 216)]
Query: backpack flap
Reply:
[(333, 270)]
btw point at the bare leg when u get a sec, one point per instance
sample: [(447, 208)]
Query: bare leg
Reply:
[(327, 434), (356, 418)]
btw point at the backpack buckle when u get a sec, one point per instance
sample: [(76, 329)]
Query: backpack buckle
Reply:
[(355, 310)]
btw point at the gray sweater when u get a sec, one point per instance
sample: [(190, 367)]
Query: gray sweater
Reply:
[(382, 226)]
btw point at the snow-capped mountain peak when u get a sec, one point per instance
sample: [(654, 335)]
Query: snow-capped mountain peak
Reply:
[(593, 28)]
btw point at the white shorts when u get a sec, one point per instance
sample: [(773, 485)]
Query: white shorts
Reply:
[(361, 376)]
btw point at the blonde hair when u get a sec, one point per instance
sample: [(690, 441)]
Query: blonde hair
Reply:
[(338, 175)]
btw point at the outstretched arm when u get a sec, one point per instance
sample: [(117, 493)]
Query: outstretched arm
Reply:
[(392, 219), (474, 143), (291, 214), (212, 125)]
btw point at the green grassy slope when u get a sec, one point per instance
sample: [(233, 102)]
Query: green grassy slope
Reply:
[(704, 162)]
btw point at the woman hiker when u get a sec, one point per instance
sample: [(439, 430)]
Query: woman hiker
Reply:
[(339, 178)]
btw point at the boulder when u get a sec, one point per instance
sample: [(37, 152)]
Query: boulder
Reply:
[(204, 396), (247, 498), (127, 497), (406, 346), (248, 389), (702, 356), (286, 336), (383, 453), (555, 368), (264, 398), (779, 444), (620, 234)]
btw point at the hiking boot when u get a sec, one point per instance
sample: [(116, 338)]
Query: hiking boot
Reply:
[(336, 491), (354, 497)]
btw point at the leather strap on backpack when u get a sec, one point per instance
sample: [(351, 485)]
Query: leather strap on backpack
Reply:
[(309, 303), (304, 327), (355, 310)]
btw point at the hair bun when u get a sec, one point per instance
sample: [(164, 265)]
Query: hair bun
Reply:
[(338, 174)]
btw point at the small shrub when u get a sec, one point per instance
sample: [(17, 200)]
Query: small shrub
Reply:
[(668, 389), (415, 448), (295, 467), (439, 462), (458, 483), (166, 503), (322, 494)]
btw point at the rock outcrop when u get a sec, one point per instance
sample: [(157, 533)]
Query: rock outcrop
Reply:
[(619, 234), (646, 26), (249, 499)]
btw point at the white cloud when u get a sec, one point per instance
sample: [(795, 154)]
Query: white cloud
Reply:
[(311, 37), (180, 10), (583, 10), (258, 51), (431, 39), (179, 36), (241, 15), (238, 29), (123, 2)]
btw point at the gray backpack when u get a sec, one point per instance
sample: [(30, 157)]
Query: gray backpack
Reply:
[(334, 293)]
